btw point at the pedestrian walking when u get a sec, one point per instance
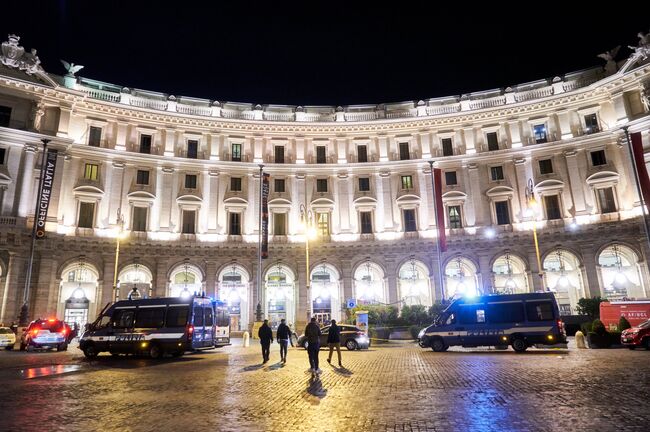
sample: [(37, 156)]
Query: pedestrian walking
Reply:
[(312, 333), (334, 341), (283, 336), (14, 327), (266, 337)]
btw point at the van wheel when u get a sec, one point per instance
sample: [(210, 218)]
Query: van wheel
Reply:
[(178, 353), (631, 347), (351, 345), (155, 352), (438, 345), (90, 351), (62, 347), (519, 345)]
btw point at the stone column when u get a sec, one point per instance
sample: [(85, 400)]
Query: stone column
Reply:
[(564, 124), (391, 279), (514, 134), (620, 108), (25, 203), (64, 121), (522, 177), (343, 202), (593, 286), (166, 191), (469, 140), (41, 287), (12, 293), (538, 283), (160, 288), (576, 182), (389, 223), (213, 204), (382, 142), (121, 138), (475, 199)]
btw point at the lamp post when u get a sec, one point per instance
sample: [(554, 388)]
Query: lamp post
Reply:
[(120, 224), (532, 205), (307, 223)]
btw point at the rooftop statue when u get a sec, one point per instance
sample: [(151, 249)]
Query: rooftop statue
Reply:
[(71, 68), (643, 50), (609, 57), (14, 56)]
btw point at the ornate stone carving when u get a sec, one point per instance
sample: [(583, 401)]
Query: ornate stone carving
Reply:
[(38, 111), (645, 96), (643, 50), (609, 57), (14, 56), (71, 68)]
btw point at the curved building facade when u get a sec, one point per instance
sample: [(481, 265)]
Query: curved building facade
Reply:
[(177, 180)]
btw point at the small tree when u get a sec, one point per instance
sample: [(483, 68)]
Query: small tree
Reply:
[(435, 310), (590, 307), (415, 314), (598, 327), (623, 324)]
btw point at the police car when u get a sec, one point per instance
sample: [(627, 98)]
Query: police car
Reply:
[(520, 320), (151, 326)]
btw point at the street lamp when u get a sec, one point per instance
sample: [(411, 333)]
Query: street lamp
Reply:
[(120, 224), (307, 224), (531, 211)]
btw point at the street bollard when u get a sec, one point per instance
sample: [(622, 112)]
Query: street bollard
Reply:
[(246, 339), (580, 340)]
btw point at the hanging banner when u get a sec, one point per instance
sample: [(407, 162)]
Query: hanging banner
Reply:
[(440, 209), (265, 216), (46, 192), (639, 159)]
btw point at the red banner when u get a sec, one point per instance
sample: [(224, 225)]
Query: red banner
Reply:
[(440, 209), (265, 215), (644, 180)]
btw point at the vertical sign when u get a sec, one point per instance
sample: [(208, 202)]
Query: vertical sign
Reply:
[(265, 215), (46, 192), (362, 321), (440, 209)]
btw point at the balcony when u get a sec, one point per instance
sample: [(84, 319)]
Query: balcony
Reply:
[(353, 158), (410, 192), (397, 156), (200, 154), (328, 160), (226, 156), (288, 159)]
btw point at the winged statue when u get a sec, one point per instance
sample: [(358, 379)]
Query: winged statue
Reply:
[(609, 57), (71, 67)]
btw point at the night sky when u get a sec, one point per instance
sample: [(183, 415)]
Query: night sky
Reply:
[(331, 54)]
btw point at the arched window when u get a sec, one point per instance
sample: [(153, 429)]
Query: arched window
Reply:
[(280, 295), (563, 277), (620, 273), (186, 280), (234, 290), (369, 285), (414, 283), (460, 278), (135, 276), (78, 292), (509, 275), (325, 293)]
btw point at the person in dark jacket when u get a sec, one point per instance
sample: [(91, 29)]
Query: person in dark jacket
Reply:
[(334, 341), (312, 333), (266, 337), (283, 336)]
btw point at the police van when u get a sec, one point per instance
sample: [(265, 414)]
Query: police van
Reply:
[(520, 320), (152, 326)]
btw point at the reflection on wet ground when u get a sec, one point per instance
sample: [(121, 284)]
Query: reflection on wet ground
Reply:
[(46, 371)]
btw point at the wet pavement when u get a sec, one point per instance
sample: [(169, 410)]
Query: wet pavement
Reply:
[(395, 387)]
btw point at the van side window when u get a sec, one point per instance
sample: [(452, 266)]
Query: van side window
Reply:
[(198, 316), (223, 319), (480, 315), (451, 319), (150, 317), (506, 312), (103, 322), (209, 321), (123, 318), (177, 316), (472, 314), (539, 311)]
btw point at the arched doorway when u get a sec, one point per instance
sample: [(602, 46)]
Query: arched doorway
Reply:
[(369, 283), (78, 293), (460, 278), (234, 290), (135, 276), (564, 278), (620, 273), (509, 275), (414, 283), (280, 296), (186, 280), (325, 293)]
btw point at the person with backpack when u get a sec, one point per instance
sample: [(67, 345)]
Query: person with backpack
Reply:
[(266, 337), (312, 333), (283, 335)]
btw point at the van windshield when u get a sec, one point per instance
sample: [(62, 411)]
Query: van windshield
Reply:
[(644, 324)]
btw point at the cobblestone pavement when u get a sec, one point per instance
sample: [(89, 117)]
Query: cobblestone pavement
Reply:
[(397, 388)]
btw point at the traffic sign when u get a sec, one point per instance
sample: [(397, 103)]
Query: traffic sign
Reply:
[(351, 303)]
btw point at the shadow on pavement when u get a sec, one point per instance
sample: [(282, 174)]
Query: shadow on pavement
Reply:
[(505, 352), (132, 362), (342, 371), (276, 366), (315, 391), (253, 367)]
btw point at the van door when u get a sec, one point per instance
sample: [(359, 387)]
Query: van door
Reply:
[(199, 328), (208, 322), (121, 327), (472, 325)]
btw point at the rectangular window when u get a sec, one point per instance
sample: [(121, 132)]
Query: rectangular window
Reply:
[(546, 166), (95, 136), (86, 215), (598, 158), (189, 219), (321, 154), (198, 316), (5, 116), (278, 185), (362, 153), (492, 141), (190, 181), (496, 173), (123, 318), (279, 154), (606, 200), (236, 152), (404, 151), (323, 220), (177, 316), (539, 311), (506, 312), (235, 184), (409, 221), (2, 156), (364, 184), (407, 182), (366, 222), (502, 212), (140, 219), (591, 123), (234, 223), (209, 318), (192, 149), (447, 147), (142, 177), (472, 315), (321, 185), (450, 178), (279, 224), (145, 144), (540, 133), (150, 317), (91, 172), (552, 205), (455, 220)]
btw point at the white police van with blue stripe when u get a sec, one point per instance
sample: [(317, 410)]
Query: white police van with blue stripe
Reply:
[(520, 320), (152, 326)]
